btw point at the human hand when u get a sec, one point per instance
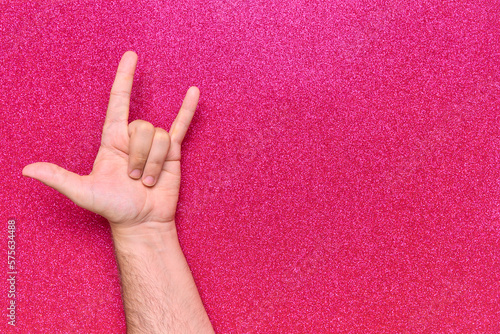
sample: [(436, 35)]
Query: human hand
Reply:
[(119, 187)]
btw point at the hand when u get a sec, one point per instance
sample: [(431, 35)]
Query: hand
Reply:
[(136, 175)]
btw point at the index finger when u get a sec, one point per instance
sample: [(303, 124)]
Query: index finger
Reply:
[(119, 99)]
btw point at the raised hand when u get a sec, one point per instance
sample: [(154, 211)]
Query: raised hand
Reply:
[(136, 175)]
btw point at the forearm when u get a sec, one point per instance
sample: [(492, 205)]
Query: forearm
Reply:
[(158, 290)]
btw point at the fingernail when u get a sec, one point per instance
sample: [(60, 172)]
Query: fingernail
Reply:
[(149, 180), (135, 174)]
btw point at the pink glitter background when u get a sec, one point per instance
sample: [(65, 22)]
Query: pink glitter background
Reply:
[(341, 174)]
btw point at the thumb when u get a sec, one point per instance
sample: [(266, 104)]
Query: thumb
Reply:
[(67, 183)]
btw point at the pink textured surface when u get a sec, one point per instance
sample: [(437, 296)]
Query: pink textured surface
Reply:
[(341, 174)]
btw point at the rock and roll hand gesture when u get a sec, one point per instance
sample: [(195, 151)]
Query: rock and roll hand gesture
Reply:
[(136, 175)]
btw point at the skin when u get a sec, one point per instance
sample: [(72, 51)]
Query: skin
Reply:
[(134, 184)]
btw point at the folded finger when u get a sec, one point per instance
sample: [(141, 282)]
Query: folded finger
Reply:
[(141, 138), (156, 158)]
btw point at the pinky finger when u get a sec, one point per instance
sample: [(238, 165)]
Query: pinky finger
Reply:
[(182, 120)]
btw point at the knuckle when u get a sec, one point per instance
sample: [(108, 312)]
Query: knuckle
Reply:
[(142, 126), (161, 134), (120, 93), (138, 160), (126, 74), (155, 165)]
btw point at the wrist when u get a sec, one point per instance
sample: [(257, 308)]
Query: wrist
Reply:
[(151, 234), (156, 280)]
